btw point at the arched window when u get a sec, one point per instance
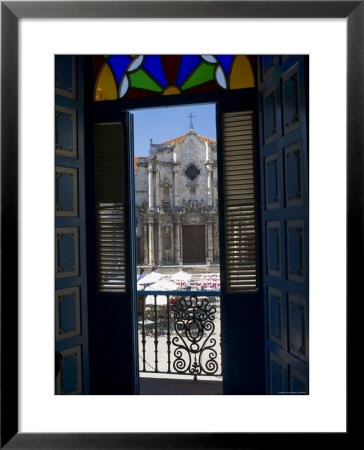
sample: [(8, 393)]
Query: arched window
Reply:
[(135, 76)]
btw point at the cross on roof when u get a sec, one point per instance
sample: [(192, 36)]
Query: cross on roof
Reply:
[(190, 117)]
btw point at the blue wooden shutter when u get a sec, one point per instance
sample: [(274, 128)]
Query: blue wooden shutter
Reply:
[(71, 321), (284, 202), (239, 202), (110, 206), (113, 338), (241, 299)]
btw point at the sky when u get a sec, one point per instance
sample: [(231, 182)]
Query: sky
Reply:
[(162, 124)]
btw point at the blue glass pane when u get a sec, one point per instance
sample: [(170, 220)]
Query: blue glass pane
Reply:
[(118, 64), (187, 64), (153, 65), (225, 61)]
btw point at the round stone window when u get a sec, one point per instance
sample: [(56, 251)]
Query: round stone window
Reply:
[(192, 172)]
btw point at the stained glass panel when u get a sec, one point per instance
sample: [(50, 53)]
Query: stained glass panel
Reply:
[(131, 76), (105, 85), (225, 61), (153, 65), (140, 79), (203, 73), (119, 63), (170, 63), (241, 73), (220, 77), (187, 64)]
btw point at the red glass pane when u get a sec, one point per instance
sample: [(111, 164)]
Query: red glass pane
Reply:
[(171, 63), (98, 61), (207, 87), (140, 93)]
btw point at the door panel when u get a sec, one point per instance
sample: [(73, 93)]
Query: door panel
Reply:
[(71, 311), (113, 354), (242, 316), (284, 203)]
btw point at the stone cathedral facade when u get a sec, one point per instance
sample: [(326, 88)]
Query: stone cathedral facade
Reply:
[(177, 204)]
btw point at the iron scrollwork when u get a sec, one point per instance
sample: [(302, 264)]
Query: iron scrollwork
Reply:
[(194, 325)]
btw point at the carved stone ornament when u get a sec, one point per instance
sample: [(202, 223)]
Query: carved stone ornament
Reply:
[(193, 219), (166, 182), (192, 172)]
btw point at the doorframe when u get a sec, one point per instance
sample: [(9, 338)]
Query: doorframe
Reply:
[(111, 110)]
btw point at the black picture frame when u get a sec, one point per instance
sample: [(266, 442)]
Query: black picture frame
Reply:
[(11, 12)]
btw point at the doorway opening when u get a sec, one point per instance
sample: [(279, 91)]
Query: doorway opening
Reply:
[(177, 250)]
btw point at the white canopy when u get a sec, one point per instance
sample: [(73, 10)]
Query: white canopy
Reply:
[(164, 285), (161, 285), (151, 278), (181, 276)]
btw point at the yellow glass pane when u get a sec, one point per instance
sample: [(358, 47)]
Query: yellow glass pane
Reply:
[(171, 90), (105, 88), (241, 73)]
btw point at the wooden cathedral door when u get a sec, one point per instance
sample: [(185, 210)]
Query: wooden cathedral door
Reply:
[(283, 94)]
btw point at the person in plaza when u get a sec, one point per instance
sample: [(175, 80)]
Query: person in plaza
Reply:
[(154, 269), (141, 274)]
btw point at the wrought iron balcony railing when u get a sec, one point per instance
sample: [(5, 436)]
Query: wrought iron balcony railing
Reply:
[(179, 332)]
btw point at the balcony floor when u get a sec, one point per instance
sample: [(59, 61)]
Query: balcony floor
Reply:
[(157, 386)]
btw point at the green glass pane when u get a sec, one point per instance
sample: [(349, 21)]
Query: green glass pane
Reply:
[(142, 80), (204, 72)]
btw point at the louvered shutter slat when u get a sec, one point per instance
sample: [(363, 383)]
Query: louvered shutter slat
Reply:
[(239, 200), (110, 201)]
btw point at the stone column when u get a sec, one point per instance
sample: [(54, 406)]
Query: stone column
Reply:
[(210, 171), (177, 243), (180, 247), (207, 148), (210, 243), (175, 186), (172, 246), (145, 244), (209, 185), (212, 186), (150, 185), (157, 204), (151, 242), (159, 242)]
